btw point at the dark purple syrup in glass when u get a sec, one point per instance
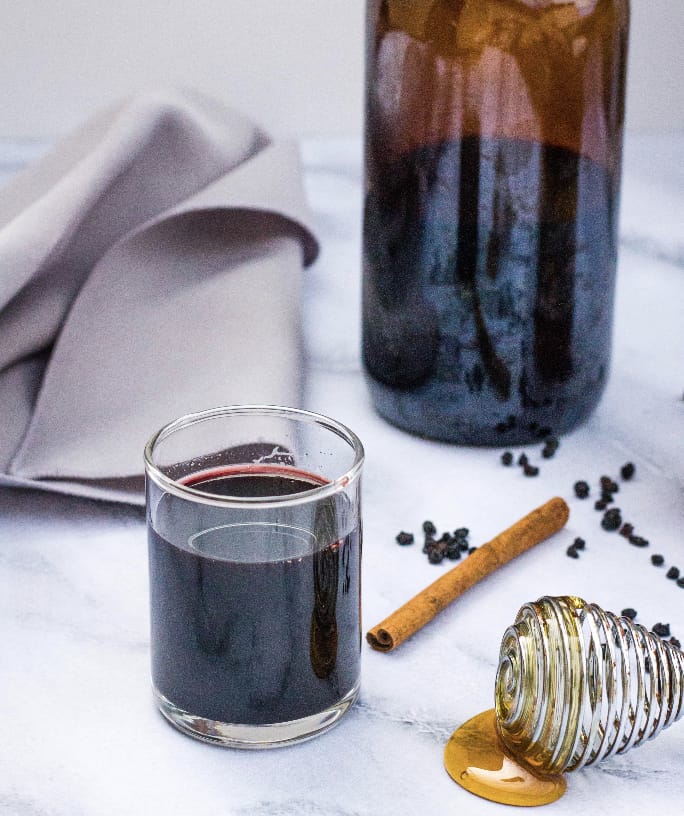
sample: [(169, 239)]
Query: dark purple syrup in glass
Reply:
[(254, 622)]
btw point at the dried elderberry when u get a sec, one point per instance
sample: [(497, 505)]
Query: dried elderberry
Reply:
[(612, 520), (453, 552), (661, 629), (627, 471), (673, 573), (550, 447), (429, 544), (627, 529), (460, 538), (507, 458), (435, 556), (600, 504), (675, 642), (571, 552), (657, 560), (629, 613), (581, 489), (579, 543), (680, 582), (429, 528), (404, 538), (530, 470), (638, 541), (608, 485), (523, 461)]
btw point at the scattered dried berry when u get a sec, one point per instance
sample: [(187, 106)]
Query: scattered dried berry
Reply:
[(579, 543), (680, 582), (673, 573), (661, 629), (657, 560), (531, 470), (550, 447), (627, 471), (608, 485), (571, 552), (600, 504), (523, 461), (453, 552), (471, 550), (627, 529), (612, 520), (448, 545), (638, 541), (629, 613), (581, 489), (507, 458), (429, 528), (675, 642)]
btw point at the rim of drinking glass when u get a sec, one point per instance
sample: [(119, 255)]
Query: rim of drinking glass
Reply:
[(187, 492)]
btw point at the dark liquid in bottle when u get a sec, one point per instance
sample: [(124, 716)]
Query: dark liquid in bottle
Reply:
[(258, 622), (488, 288), (493, 153)]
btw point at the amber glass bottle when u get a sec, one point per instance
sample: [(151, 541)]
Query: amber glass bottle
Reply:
[(493, 153)]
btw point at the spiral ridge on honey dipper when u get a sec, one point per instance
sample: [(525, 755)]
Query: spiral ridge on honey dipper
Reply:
[(576, 684)]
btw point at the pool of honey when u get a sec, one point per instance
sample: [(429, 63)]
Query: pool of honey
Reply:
[(474, 758)]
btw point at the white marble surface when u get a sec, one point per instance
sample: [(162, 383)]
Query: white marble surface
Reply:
[(80, 734)]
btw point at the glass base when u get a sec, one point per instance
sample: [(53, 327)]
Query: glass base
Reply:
[(437, 411), (272, 735)]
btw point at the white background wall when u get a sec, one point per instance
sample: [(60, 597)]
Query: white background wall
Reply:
[(295, 66)]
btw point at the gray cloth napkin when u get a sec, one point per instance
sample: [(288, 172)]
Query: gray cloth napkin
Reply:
[(150, 266)]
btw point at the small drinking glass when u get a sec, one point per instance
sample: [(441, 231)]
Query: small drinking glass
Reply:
[(254, 532)]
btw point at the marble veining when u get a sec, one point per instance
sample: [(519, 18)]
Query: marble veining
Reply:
[(653, 249), (80, 733), (416, 722)]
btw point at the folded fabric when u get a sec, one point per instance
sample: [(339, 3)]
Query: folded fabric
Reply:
[(150, 266)]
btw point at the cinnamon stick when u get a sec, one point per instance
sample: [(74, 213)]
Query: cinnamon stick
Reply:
[(524, 534)]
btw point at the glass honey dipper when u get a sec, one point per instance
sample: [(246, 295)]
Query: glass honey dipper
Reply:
[(575, 684)]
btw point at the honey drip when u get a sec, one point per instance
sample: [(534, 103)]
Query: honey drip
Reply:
[(574, 685), (475, 758)]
